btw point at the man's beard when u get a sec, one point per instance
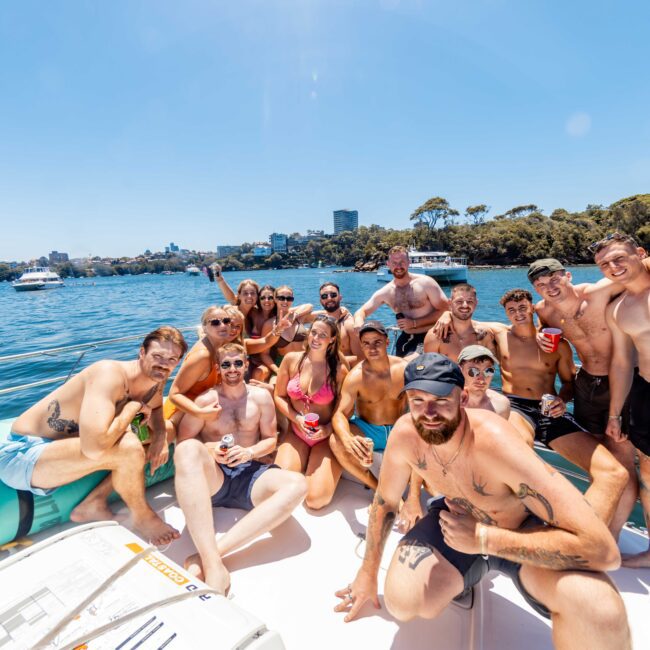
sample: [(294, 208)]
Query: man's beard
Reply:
[(331, 308), (438, 436), (462, 316)]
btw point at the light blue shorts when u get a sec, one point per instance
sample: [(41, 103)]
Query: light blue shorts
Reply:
[(378, 433), (18, 455)]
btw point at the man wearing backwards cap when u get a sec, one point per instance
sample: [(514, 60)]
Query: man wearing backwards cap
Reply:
[(492, 482), (477, 365), (579, 311), (371, 401)]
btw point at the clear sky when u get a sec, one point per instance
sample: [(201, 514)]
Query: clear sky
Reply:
[(128, 124)]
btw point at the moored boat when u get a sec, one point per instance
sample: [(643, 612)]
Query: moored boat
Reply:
[(37, 278), (192, 269), (436, 264)]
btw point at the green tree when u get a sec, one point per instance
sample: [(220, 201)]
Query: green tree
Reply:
[(476, 213), (433, 211)]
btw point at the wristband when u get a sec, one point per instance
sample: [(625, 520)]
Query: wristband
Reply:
[(414, 323), (482, 539), (614, 417)]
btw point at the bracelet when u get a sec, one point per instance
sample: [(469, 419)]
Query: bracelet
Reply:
[(482, 539), (414, 322), (614, 417)]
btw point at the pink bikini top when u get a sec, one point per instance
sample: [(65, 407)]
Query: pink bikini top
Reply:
[(324, 395)]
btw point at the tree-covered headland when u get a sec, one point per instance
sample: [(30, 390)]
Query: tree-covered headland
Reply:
[(518, 236)]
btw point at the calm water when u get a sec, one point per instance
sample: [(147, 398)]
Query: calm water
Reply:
[(105, 308)]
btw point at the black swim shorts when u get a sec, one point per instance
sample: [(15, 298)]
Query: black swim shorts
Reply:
[(547, 429), (639, 414), (407, 343), (591, 401), (427, 532), (238, 485)]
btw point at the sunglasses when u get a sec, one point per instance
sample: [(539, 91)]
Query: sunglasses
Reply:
[(326, 295), (612, 237), (215, 322), (267, 298), (238, 363), (285, 298), (475, 372)]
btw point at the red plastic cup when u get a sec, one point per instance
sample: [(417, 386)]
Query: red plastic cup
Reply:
[(553, 334), (311, 421)]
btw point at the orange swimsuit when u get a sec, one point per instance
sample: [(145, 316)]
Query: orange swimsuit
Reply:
[(213, 378)]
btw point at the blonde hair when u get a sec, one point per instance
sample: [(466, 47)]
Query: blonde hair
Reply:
[(234, 312), (205, 317)]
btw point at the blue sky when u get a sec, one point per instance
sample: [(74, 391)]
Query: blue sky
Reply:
[(128, 124)]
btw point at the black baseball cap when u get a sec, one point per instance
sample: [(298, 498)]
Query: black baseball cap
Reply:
[(543, 267), (373, 326), (433, 373)]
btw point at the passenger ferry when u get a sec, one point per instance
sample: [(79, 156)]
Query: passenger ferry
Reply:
[(193, 270), (436, 264), (36, 278)]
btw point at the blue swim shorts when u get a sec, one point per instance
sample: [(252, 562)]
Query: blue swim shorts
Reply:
[(18, 455), (378, 433)]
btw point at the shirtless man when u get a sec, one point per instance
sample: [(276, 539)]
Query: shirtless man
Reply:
[(84, 426), (498, 495), (207, 477), (477, 365), (579, 311), (330, 300), (371, 401), (621, 260), (463, 331), (416, 297), (527, 372)]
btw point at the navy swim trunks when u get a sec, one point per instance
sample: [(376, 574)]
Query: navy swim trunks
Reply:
[(547, 429), (472, 567), (238, 485)]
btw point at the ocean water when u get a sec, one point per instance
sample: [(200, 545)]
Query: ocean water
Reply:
[(89, 310)]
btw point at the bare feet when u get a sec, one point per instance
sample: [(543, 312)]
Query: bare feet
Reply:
[(194, 565), (218, 578), (94, 510), (155, 530), (638, 561)]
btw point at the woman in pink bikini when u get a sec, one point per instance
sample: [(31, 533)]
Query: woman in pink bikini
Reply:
[(309, 382)]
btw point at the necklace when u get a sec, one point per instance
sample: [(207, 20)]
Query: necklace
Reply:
[(452, 459)]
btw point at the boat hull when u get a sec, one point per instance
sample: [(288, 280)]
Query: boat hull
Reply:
[(38, 286)]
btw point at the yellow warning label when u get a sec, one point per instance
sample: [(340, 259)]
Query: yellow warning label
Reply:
[(160, 566)]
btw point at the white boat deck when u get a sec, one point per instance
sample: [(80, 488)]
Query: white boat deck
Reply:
[(288, 579)]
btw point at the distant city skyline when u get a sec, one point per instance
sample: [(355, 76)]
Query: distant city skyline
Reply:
[(125, 126)]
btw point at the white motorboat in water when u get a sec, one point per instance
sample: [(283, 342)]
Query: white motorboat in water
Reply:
[(36, 278), (193, 270), (436, 264)]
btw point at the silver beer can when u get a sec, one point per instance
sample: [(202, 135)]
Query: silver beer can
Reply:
[(370, 445), (545, 404), (226, 442)]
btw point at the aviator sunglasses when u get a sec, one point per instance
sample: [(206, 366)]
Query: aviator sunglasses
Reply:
[(326, 295), (215, 322), (238, 363), (475, 372)]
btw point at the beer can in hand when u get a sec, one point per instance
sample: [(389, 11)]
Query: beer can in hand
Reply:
[(141, 430), (370, 445), (545, 404), (226, 443)]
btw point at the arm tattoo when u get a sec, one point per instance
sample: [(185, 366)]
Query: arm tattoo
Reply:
[(526, 491), (543, 558), (478, 514), (386, 525), (151, 393), (412, 553), (59, 424), (480, 487), (420, 462)]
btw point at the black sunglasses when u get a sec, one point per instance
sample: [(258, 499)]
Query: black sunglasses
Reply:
[(285, 298), (238, 363), (475, 372), (215, 322), (331, 294), (267, 298), (613, 236)]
